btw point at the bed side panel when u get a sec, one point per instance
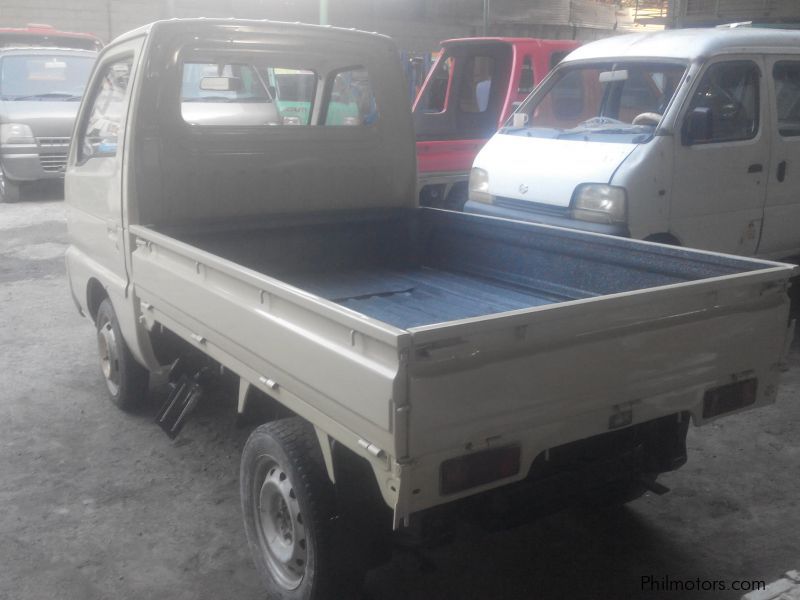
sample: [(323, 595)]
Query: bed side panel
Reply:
[(346, 372)]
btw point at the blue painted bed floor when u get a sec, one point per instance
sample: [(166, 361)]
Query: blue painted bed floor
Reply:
[(420, 296)]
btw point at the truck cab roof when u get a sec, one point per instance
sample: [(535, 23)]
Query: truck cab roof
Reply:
[(250, 25), (514, 41)]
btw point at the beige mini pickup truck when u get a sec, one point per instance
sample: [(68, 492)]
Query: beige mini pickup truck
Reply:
[(411, 366)]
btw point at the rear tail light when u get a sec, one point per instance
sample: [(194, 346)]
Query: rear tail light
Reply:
[(728, 398), (478, 468)]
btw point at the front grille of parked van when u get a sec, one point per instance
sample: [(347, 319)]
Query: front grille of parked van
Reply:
[(534, 207), (53, 153)]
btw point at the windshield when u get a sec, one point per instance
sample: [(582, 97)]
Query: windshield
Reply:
[(609, 102), (42, 77)]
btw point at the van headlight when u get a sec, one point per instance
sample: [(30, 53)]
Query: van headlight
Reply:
[(16, 133), (479, 186), (599, 203)]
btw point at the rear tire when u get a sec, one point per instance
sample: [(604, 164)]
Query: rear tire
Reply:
[(9, 190), (290, 517), (126, 379)]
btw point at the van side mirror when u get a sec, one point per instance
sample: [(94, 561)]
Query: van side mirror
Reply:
[(698, 127)]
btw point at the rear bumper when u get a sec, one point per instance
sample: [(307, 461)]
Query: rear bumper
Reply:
[(610, 467), (479, 208), (32, 163)]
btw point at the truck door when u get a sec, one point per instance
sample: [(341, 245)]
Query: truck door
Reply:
[(464, 95), (780, 235), (720, 174), (94, 175)]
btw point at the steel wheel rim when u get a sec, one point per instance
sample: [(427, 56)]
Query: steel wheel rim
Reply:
[(109, 356), (279, 524)]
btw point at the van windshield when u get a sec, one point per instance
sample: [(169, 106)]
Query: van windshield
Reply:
[(40, 77), (609, 102)]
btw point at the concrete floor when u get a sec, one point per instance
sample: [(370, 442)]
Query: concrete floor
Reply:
[(97, 504)]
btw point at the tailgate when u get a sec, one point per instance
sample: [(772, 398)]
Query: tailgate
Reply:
[(564, 370)]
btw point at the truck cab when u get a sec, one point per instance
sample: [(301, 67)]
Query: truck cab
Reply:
[(471, 90)]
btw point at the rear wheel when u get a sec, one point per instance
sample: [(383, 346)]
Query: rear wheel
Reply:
[(9, 190), (126, 379), (290, 517)]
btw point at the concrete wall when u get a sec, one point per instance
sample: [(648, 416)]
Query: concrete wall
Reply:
[(417, 25)]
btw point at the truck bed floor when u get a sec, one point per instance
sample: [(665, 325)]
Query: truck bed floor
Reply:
[(418, 296)]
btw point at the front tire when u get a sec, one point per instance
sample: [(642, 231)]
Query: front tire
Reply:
[(126, 379), (290, 516), (9, 190)]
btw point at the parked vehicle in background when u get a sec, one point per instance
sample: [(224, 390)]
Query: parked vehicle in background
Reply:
[(409, 367), (38, 35), (689, 137), (40, 91), (470, 91)]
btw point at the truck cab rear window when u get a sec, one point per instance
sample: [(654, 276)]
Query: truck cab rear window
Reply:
[(246, 94), (240, 94)]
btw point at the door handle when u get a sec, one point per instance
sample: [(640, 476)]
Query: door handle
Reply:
[(781, 174), (755, 168)]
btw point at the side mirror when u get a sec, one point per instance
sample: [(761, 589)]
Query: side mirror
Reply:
[(698, 127), (525, 79)]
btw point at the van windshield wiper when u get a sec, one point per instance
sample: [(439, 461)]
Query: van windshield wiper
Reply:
[(633, 129), (46, 96)]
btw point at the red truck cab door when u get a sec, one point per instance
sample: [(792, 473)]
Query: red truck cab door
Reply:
[(465, 92)]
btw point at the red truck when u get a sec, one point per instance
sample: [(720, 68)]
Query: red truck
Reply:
[(473, 87)]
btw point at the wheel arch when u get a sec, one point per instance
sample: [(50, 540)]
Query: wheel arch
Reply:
[(95, 294), (663, 237)]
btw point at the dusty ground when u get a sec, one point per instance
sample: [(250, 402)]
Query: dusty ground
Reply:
[(96, 504)]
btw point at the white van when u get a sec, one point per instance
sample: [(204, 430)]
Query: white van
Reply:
[(689, 137)]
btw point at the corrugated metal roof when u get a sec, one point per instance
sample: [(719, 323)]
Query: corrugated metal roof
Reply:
[(580, 13), (743, 9)]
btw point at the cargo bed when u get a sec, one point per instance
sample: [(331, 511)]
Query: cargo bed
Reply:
[(415, 268), (417, 332)]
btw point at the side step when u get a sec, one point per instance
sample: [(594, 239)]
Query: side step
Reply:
[(181, 402)]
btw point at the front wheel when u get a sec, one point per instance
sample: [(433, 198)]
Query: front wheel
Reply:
[(290, 517), (126, 379), (9, 190)]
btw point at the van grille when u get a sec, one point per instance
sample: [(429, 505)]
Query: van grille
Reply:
[(53, 142), (53, 156), (534, 207)]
